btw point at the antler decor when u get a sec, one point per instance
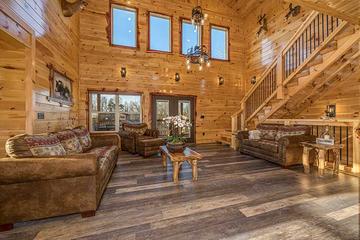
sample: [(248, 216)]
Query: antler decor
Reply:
[(70, 7), (293, 11), (262, 21)]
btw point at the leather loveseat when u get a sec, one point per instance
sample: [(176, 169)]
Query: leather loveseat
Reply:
[(277, 143)]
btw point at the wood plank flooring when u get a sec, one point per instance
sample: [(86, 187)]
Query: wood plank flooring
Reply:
[(236, 197)]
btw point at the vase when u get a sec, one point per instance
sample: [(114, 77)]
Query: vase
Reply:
[(175, 147)]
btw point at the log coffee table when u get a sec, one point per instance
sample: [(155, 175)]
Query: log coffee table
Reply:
[(178, 159)]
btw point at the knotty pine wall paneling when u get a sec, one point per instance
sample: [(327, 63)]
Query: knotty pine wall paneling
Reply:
[(57, 43), (261, 50), (154, 72)]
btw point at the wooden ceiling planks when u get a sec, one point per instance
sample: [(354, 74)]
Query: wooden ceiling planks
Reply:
[(348, 10)]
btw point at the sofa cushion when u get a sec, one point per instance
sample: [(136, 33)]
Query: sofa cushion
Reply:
[(69, 141), (44, 145), (263, 144), (291, 131), (138, 129), (16, 147), (268, 132), (104, 154), (84, 137)]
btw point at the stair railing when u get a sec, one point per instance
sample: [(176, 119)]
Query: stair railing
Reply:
[(311, 37)]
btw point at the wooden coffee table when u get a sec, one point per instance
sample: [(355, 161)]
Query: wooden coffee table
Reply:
[(178, 159)]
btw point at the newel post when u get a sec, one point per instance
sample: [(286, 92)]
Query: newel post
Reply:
[(280, 77)]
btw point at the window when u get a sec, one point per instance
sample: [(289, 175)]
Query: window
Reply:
[(124, 26), (109, 110), (219, 37), (190, 36), (159, 33)]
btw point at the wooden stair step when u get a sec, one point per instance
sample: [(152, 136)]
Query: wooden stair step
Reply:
[(329, 48), (344, 33), (316, 61)]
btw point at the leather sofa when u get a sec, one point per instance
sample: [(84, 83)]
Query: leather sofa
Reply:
[(138, 138), (277, 143), (34, 186)]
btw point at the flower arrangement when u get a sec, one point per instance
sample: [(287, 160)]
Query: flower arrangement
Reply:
[(177, 125)]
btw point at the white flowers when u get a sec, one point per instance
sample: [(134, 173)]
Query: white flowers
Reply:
[(178, 121)]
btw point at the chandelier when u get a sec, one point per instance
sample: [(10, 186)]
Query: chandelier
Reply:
[(198, 17), (197, 55)]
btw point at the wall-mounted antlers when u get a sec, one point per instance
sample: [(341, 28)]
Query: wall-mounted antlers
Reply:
[(70, 7), (262, 21), (293, 11)]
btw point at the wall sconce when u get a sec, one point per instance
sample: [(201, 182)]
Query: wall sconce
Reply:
[(331, 111), (221, 81), (253, 80), (123, 72), (177, 77)]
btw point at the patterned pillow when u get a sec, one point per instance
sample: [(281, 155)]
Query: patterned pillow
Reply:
[(16, 147), (44, 145), (291, 131), (69, 141), (254, 135), (138, 129), (268, 132), (84, 137)]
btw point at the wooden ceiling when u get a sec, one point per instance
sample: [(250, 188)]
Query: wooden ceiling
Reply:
[(348, 10), (243, 7)]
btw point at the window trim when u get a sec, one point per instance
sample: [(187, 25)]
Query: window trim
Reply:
[(110, 29), (117, 113), (181, 19), (170, 17), (228, 42)]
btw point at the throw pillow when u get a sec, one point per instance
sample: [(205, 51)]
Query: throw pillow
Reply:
[(44, 145), (291, 131), (69, 141), (16, 147), (136, 129), (84, 137), (268, 132), (254, 135)]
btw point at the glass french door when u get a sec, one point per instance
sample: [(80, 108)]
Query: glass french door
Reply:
[(167, 105)]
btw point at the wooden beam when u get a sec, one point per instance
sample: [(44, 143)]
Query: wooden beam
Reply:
[(327, 7)]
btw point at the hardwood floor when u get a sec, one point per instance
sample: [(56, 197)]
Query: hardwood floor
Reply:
[(236, 197)]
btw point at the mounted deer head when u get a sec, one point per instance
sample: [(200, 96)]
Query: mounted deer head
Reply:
[(70, 7), (293, 11), (262, 21)]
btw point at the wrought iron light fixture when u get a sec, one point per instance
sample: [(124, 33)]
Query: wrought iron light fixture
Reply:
[(177, 77), (221, 80), (198, 17), (197, 55), (123, 72)]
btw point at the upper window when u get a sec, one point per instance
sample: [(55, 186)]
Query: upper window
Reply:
[(124, 26), (219, 42), (190, 36), (108, 111), (159, 32)]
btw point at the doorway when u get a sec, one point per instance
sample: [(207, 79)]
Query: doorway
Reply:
[(171, 105)]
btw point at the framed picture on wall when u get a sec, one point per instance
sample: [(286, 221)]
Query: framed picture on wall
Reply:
[(60, 87)]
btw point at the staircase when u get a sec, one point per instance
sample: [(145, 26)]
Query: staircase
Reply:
[(324, 50)]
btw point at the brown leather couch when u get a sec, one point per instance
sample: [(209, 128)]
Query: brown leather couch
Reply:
[(138, 138), (41, 187), (278, 144)]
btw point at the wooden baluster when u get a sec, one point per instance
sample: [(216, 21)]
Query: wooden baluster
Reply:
[(310, 38), (332, 23), (306, 43)]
